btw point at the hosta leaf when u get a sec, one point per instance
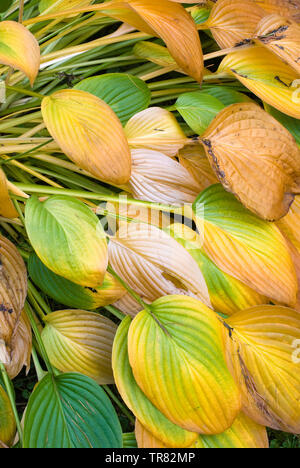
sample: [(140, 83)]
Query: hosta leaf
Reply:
[(70, 411), (194, 159), (158, 178), (89, 133), (244, 433), (282, 37), (7, 208), (53, 6), (7, 420), (267, 76), (198, 109), (286, 8), (128, 305), (261, 356), (226, 95), (68, 238), (233, 21), (200, 13), (155, 128), (137, 401), (291, 124), (227, 294), (13, 292), (21, 345), (255, 158), (176, 355), (169, 21), (19, 49), (245, 246), (290, 224), (154, 264), (125, 94), (154, 53), (70, 294), (129, 440), (80, 341)]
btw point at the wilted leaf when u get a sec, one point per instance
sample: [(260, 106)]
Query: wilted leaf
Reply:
[(13, 292), (21, 346), (137, 401), (255, 158), (70, 411), (245, 246), (155, 128), (125, 94), (154, 264), (261, 355), (282, 37), (70, 294), (19, 49), (7, 419), (227, 294), (286, 8), (194, 159), (158, 178), (89, 133), (80, 341), (267, 76), (68, 238), (233, 21), (176, 355), (7, 208)]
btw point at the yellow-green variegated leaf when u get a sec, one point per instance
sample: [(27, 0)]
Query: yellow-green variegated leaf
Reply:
[(194, 159), (68, 238), (267, 76), (245, 246), (7, 420), (21, 347), (7, 209), (285, 8), (154, 264), (154, 53), (243, 434), (233, 21), (157, 178), (155, 128), (80, 341), (262, 354), (54, 6), (136, 400), (227, 294), (176, 354), (282, 37), (89, 133), (19, 49), (254, 157)]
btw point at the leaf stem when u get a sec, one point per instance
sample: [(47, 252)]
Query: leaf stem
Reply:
[(27, 92), (114, 311), (38, 368), (21, 11), (11, 397)]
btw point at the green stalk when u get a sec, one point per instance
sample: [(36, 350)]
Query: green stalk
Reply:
[(8, 387), (114, 311), (27, 92), (39, 298), (38, 368)]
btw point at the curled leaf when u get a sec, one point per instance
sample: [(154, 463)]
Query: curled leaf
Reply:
[(19, 49), (176, 355), (262, 357), (244, 246), (80, 341), (155, 128), (89, 133), (73, 245), (255, 158)]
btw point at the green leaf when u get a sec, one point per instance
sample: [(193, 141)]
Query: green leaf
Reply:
[(125, 94), (70, 411), (226, 95), (68, 238), (5, 5), (198, 109)]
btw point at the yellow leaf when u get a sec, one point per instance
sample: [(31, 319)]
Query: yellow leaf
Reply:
[(157, 178), (21, 346), (155, 128), (194, 159), (7, 420), (7, 208), (176, 355), (54, 6), (267, 76), (89, 133), (286, 8), (282, 37), (13, 292), (244, 246), (233, 21), (80, 341), (136, 400), (19, 49), (154, 264), (255, 158), (290, 224), (262, 356)]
